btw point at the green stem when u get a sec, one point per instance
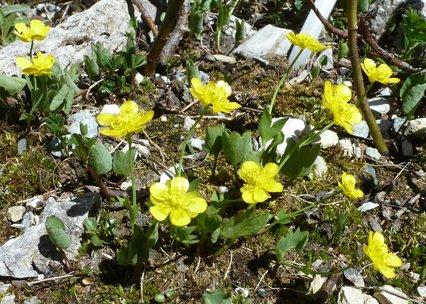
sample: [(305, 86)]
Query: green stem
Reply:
[(226, 246), (359, 81), (31, 50), (325, 273), (185, 142), (216, 156), (132, 176), (283, 78)]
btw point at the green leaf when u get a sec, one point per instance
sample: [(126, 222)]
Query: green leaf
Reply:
[(412, 92), (210, 220), (16, 8), (235, 146), (100, 158), (11, 85), (195, 24), (243, 224), (96, 241), (56, 231), (91, 66), (267, 130), (293, 240), (301, 160), (184, 235), (58, 100), (213, 144), (217, 297), (90, 225), (120, 162)]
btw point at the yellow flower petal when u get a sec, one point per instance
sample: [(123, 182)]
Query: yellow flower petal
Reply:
[(348, 186), (381, 74), (198, 205), (160, 213), (179, 218), (105, 119), (306, 41)]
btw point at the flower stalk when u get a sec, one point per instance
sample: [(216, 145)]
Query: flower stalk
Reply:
[(358, 79)]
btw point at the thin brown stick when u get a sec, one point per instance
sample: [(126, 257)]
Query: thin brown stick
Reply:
[(147, 18)]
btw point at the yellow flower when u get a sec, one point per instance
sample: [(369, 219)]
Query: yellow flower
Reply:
[(383, 260), (306, 41), (172, 200), (129, 120), (348, 186), (382, 73), (336, 99), (36, 31), (215, 94), (40, 65), (259, 181)]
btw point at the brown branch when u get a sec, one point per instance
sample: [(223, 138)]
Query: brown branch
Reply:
[(147, 18), (325, 22), (172, 14)]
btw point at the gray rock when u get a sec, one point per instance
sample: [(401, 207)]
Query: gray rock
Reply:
[(22, 146), (35, 204), (231, 30), (85, 118), (385, 125), (373, 153), (351, 295), (369, 169), (416, 127), (361, 130), (350, 149), (32, 300), (9, 299), (367, 206), (107, 22), (27, 220), (188, 122), (15, 213), (270, 41), (407, 147), (354, 276), (390, 295), (196, 143), (384, 10), (17, 255), (316, 284), (398, 122)]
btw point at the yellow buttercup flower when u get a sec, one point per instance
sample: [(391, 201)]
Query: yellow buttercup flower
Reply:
[(259, 181), (382, 73), (306, 41), (36, 31), (348, 186), (383, 260), (215, 94), (129, 120), (174, 201), (336, 98), (40, 65)]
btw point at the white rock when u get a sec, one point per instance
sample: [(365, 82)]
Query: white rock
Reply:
[(354, 276), (163, 118), (244, 292), (230, 29), (328, 139), (346, 145), (188, 122), (351, 295), (4, 287), (361, 130), (293, 128), (390, 295), (86, 118), (328, 53), (196, 143), (373, 153), (299, 78), (319, 168), (367, 206), (9, 299), (110, 109), (139, 78), (15, 213), (125, 185), (422, 291), (168, 174), (35, 203), (416, 127), (107, 22), (143, 149), (268, 41), (316, 284), (380, 104), (398, 123)]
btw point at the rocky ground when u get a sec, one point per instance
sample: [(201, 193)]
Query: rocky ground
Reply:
[(37, 179)]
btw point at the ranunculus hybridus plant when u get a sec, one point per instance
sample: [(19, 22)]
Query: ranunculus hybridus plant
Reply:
[(259, 181), (306, 41), (383, 260), (130, 119), (336, 99), (381, 73), (174, 201), (348, 186), (215, 94), (36, 31), (40, 65)]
